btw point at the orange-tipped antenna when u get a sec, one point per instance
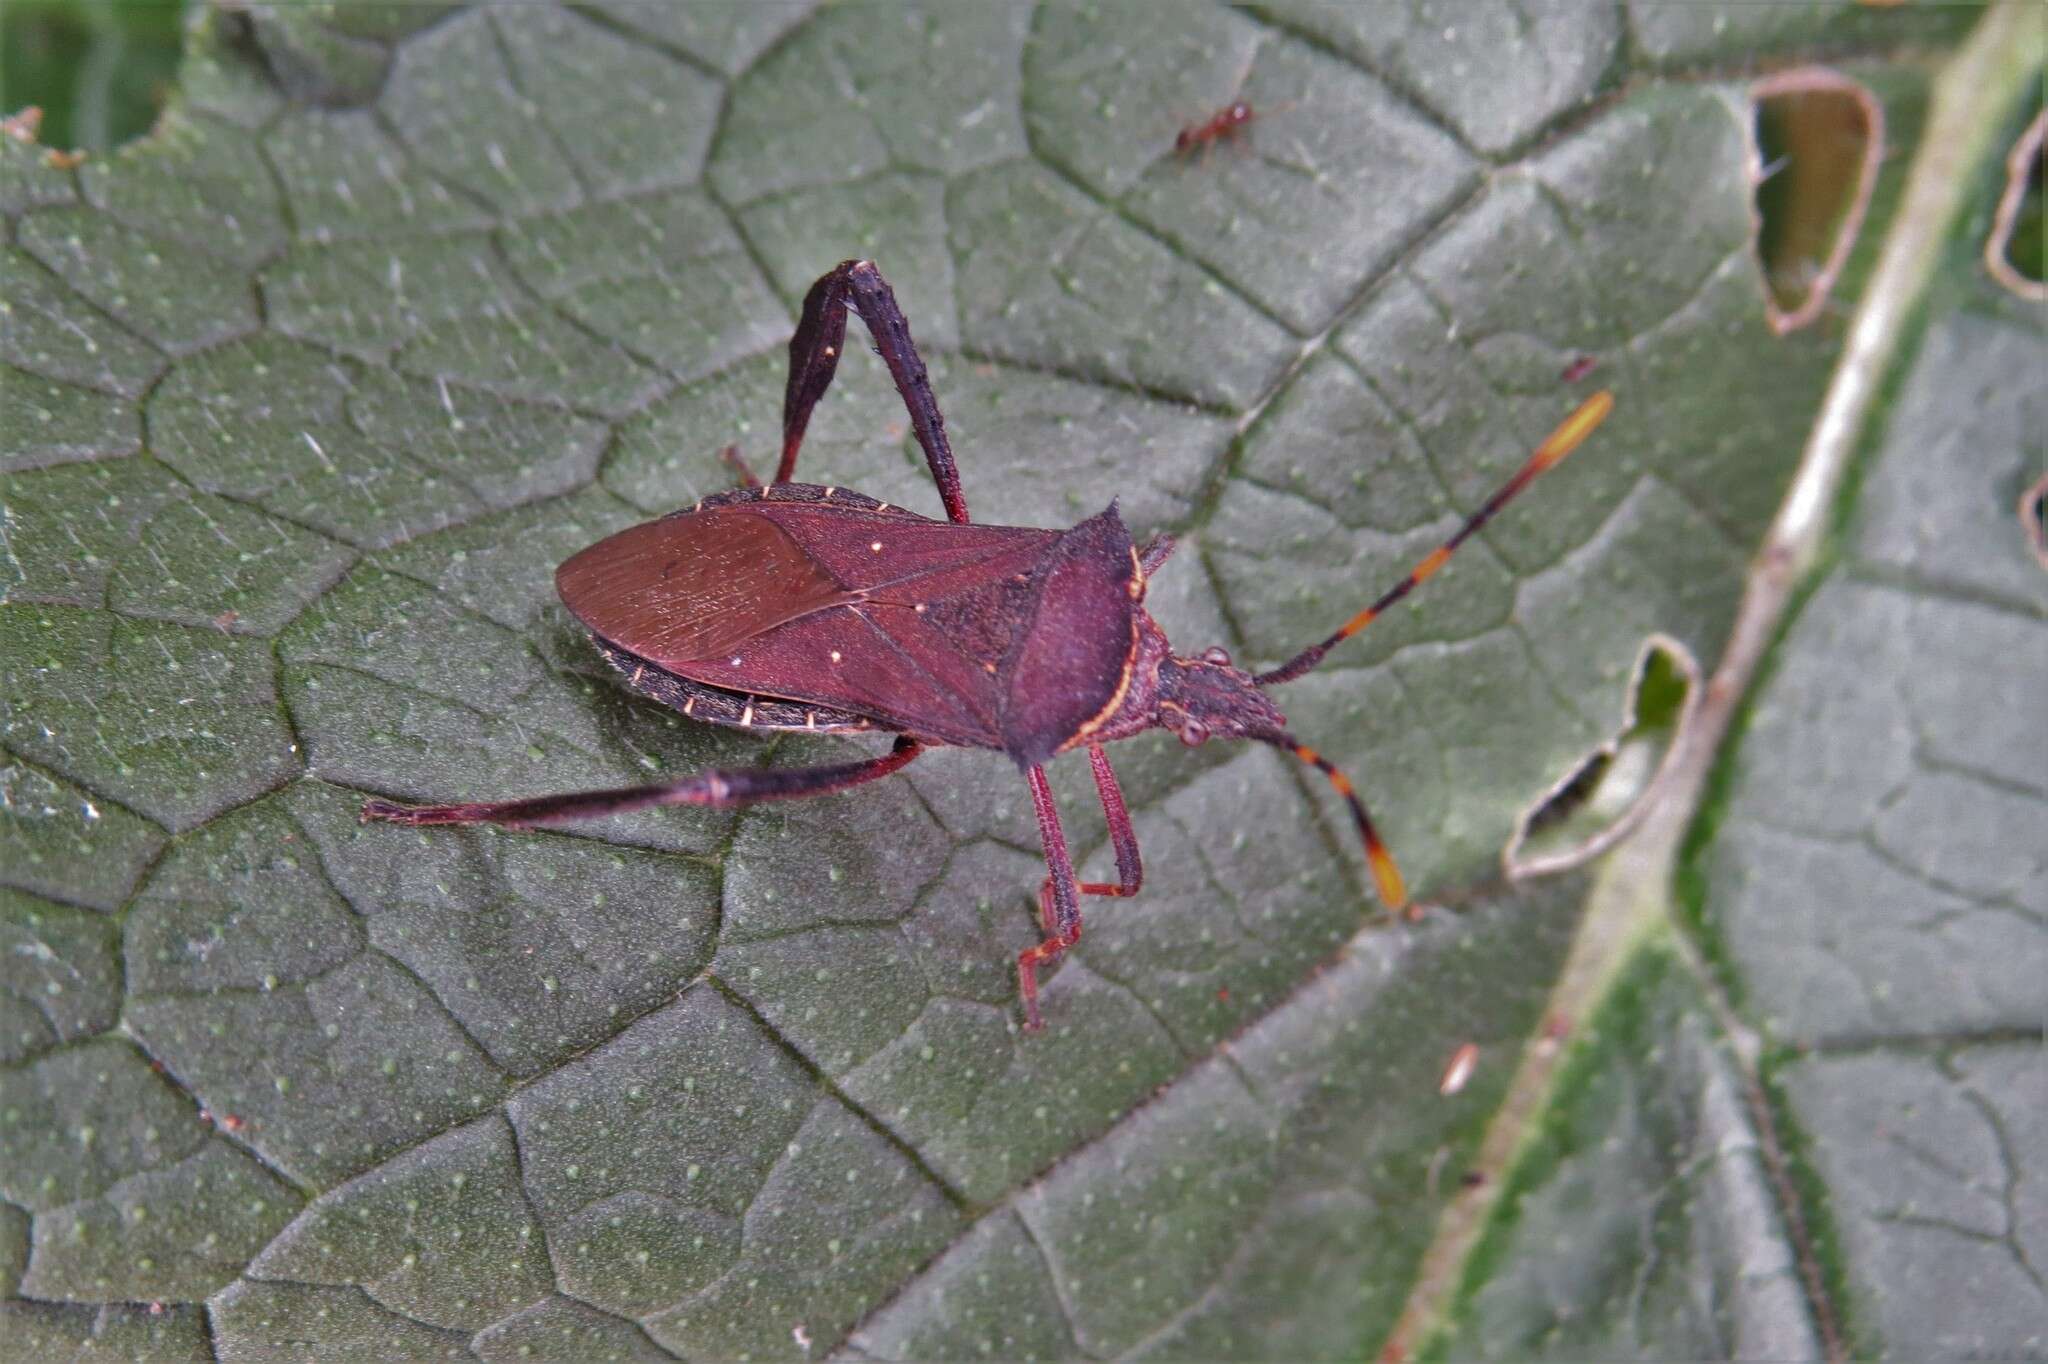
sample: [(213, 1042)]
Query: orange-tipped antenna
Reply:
[(1571, 432), (1385, 874)]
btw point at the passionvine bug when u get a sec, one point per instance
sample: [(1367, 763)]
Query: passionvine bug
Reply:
[(792, 606)]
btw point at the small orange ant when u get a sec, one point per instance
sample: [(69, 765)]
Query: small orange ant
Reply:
[(1226, 121)]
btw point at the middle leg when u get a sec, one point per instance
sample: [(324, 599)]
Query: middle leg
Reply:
[(1059, 907), (731, 455)]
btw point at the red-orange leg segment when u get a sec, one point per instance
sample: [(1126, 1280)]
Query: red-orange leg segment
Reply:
[(1568, 436), (1130, 867)]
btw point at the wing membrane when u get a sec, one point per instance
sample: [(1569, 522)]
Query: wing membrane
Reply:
[(881, 613)]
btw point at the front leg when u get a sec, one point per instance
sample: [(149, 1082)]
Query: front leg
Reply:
[(814, 357), (1059, 907), (1063, 912)]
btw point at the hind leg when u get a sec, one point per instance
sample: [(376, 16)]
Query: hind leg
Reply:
[(814, 357), (721, 790)]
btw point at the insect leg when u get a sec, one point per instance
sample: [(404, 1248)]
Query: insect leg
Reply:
[(721, 790), (1130, 867), (814, 357), (1063, 909), (731, 455)]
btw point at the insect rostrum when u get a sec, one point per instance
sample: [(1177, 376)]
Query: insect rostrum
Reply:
[(794, 606)]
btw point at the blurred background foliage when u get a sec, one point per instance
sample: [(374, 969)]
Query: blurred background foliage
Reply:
[(99, 70)]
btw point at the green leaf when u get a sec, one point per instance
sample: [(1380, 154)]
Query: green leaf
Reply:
[(1894, 763), (308, 392)]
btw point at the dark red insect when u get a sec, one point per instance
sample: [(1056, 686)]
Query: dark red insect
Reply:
[(1580, 368), (799, 607), (1222, 124)]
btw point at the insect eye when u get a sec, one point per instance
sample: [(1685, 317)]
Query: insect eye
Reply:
[(1193, 732), (1216, 654)]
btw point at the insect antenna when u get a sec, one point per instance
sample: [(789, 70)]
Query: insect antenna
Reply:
[(1566, 438), (1393, 890)]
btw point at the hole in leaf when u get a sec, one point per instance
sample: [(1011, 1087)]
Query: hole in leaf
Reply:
[(2016, 253), (1602, 798), (100, 73), (1819, 141)]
